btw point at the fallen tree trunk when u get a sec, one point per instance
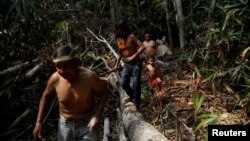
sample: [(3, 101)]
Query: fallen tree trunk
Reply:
[(34, 70), (17, 67), (122, 136), (20, 119), (136, 127)]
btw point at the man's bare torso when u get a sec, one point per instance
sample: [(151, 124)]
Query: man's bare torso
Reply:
[(127, 47), (150, 48), (76, 100)]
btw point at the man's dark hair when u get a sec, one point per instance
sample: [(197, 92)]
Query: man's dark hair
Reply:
[(65, 51), (122, 30)]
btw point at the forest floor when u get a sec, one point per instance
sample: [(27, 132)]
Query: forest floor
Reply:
[(174, 113)]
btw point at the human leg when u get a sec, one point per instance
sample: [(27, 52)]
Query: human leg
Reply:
[(65, 130), (125, 79), (137, 85)]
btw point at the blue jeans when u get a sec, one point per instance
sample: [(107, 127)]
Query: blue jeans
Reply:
[(132, 69), (74, 130)]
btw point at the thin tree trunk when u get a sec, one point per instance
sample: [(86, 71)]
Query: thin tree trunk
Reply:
[(170, 38), (180, 22), (112, 10), (138, 6)]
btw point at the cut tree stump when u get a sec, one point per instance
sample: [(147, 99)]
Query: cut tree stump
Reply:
[(136, 127)]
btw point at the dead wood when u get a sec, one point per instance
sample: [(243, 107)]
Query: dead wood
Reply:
[(102, 39), (17, 67), (136, 127), (18, 120), (106, 132), (34, 70), (23, 132), (122, 136)]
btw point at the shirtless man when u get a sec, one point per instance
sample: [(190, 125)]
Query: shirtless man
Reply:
[(150, 46), (75, 88), (154, 73), (129, 53)]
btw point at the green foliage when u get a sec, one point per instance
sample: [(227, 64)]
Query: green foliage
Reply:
[(63, 29), (239, 72), (202, 119), (197, 100), (145, 89), (248, 107), (206, 119)]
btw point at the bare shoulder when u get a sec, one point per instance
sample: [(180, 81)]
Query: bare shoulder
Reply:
[(152, 42), (54, 78), (53, 81), (88, 73)]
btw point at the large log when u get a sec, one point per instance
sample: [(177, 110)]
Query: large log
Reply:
[(122, 136), (136, 127)]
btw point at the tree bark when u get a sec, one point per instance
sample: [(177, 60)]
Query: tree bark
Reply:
[(112, 10), (34, 70), (180, 22), (122, 136), (170, 38), (136, 127), (138, 7), (18, 120), (17, 67), (106, 131)]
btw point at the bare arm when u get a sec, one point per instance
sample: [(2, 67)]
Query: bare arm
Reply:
[(48, 94), (138, 52), (141, 46), (100, 88)]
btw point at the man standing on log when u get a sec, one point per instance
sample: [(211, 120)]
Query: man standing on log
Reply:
[(75, 88), (130, 48)]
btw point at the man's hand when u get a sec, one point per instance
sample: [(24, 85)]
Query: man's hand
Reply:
[(94, 123), (128, 59), (37, 132)]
